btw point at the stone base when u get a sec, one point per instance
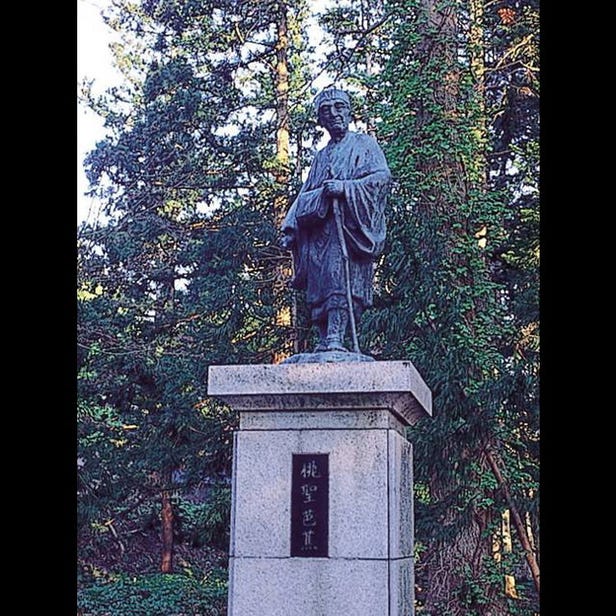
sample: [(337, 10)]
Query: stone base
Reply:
[(320, 587), (356, 413)]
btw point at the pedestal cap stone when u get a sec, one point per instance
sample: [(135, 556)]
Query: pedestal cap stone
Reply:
[(393, 385)]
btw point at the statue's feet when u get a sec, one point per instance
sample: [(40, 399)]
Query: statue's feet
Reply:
[(334, 344), (330, 345)]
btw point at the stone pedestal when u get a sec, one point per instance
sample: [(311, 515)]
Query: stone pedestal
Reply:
[(321, 465)]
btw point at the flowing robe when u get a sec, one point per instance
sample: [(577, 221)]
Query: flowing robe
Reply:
[(358, 162)]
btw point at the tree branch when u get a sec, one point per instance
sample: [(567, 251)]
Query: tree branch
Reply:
[(517, 519)]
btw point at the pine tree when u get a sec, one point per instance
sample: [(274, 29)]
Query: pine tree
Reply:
[(183, 273), (445, 302)]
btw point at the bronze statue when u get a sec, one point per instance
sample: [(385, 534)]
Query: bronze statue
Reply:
[(336, 227)]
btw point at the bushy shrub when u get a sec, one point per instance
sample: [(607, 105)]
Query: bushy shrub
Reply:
[(155, 595), (206, 523)]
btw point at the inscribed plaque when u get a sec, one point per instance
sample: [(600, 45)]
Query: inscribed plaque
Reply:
[(310, 505)]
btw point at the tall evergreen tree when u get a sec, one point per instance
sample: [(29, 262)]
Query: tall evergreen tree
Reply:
[(183, 273), (451, 293)]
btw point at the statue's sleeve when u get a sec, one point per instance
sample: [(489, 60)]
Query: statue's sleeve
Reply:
[(365, 199), (310, 204)]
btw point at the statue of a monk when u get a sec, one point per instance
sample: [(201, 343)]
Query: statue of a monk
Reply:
[(336, 226)]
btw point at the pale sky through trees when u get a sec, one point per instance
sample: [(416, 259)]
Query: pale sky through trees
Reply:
[(94, 62)]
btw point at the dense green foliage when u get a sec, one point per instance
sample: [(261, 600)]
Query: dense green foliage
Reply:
[(154, 595), (185, 271), (457, 112)]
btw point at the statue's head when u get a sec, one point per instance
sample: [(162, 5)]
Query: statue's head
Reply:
[(333, 108)]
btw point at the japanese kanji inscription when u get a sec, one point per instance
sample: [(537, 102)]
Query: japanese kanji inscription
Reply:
[(310, 505)]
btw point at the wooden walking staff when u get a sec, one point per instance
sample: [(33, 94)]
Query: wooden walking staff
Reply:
[(347, 271)]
